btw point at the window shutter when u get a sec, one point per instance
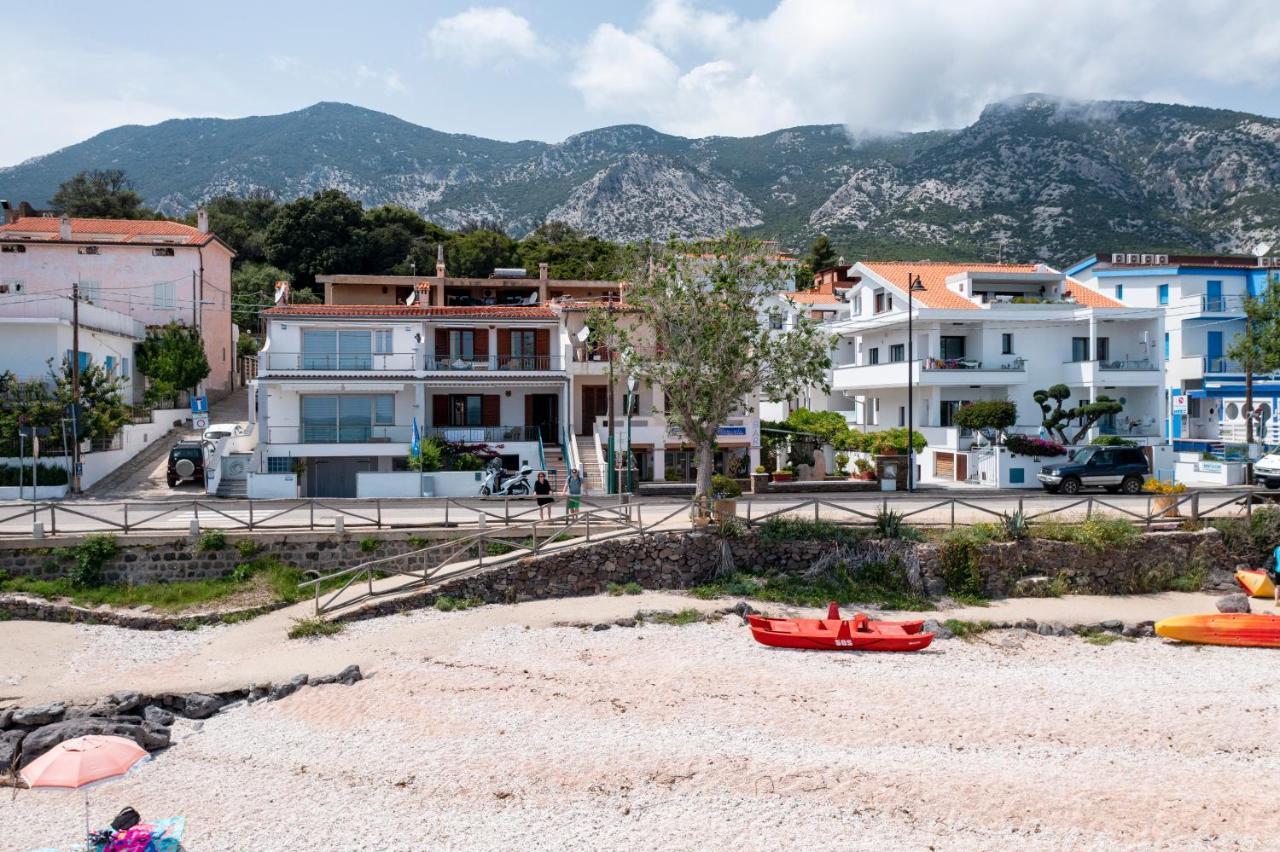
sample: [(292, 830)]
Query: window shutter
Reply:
[(442, 343), (491, 410), (481, 343), (504, 346), (542, 342), (440, 409)]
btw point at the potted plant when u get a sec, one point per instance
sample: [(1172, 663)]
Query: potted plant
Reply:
[(1164, 500), (725, 491), (842, 463), (865, 470), (783, 474)]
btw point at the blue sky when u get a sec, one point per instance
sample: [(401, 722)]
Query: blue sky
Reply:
[(543, 70)]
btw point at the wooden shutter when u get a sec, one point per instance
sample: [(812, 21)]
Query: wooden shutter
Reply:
[(440, 409), (542, 342), (442, 343), (490, 410), (482, 342), (504, 346), (528, 410)]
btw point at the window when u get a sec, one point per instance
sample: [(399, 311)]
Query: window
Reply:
[(1166, 346), (1006, 344), (1104, 348), (465, 410), (90, 291), (947, 411), (523, 348), (85, 359), (1162, 294), (1119, 292), (13, 249), (162, 252), (327, 349), (164, 295), (346, 419), (88, 250), (1017, 475), (873, 355), (279, 464), (109, 363), (384, 409), (124, 368), (11, 286), (902, 415), (897, 352), (775, 322), (382, 342), (883, 302), (1079, 349), (462, 345), (857, 305), (951, 346)]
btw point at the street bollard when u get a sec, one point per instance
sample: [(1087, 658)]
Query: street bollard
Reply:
[(482, 520), (195, 528), (37, 529), (339, 524)]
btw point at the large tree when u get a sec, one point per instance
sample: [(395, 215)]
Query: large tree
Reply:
[(476, 252), (316, 235), (700, 338), (173, 360), (242, 222), (571, 254), (397, 240), (100, 194), (103, 411), (253, 287)]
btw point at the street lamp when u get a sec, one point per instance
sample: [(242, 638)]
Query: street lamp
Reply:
[(913, 286), (630, 456)]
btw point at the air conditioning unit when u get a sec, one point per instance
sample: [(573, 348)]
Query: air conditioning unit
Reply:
[(1131, 258), (1162, 259), (1147, 259), (1117, 258), (491, 294)]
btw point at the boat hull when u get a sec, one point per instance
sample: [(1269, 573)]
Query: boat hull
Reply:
[(1240, 629), (857, 634), (1257, 584)]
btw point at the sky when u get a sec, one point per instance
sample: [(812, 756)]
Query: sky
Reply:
[(545, 69)]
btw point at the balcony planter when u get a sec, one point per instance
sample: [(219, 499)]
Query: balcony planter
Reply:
[(782, 476)]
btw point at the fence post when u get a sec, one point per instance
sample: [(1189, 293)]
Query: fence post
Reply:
[(1088, 508), (588, 516), (378, 505), (1195, 506), (953, 513), (447, 501), (749, 502), (1248, 507), (311, 505), (53, 519), (816, 504), (251, 515), (506, 511), (126, 517), (317, 588)]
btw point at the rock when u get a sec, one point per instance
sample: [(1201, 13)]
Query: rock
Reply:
[(1112, 625), (1233, 603), (284, 690), (1027, 624), (158, 715), (598, 627), (232, 705), (149, 736), (351, 674), (41, 714), (1052, 628), (10, 748), (258, 691), (199, 705), (935, 587), (1131, 630), (938, 629), (625, 622), (127, 702)]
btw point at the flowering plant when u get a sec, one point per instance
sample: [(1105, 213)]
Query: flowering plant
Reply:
[(1026, 445), (1159, 486)]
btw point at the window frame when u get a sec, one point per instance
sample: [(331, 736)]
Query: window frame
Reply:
[(1006, 343), (897, 353)]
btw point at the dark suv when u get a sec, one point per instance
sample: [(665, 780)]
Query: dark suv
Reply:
[(1113, 468), (186, 461)]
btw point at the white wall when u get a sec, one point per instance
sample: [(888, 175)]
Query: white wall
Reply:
[(272, 486)]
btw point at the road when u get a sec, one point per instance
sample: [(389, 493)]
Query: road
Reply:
[(937, 508)]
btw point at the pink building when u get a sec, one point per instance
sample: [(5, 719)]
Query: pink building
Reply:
[(154, 272)]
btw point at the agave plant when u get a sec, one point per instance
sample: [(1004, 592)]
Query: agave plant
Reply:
[(1016, 526), (889, 523)]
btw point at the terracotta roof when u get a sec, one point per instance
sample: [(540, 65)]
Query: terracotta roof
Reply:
[(810, 297), (145, 231), (1089, 297), (933, 276), (480, 311)]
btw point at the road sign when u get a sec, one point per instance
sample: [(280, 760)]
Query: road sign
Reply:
[(200, 421), (199, 405), (1179, 403), (79, 468), (34, 431)]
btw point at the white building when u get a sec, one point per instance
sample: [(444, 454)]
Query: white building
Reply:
[(988, 332), (1202, 298)]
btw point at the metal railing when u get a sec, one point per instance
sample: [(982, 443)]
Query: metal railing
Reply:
[(339, 434), (1128, 364), (482, 434), (1222, 365), (1220, 304), (534, 363), (401, 362)]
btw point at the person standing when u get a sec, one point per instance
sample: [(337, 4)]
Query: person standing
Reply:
[(574, 489), (542, 491)]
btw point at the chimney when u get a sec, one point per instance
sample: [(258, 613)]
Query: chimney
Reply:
[(202, 220), (542, 271), (439, 260), (64, 227), (282, 293)]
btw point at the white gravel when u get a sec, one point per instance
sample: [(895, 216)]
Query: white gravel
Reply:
[(697, 738)]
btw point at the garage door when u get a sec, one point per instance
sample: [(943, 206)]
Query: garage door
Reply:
[(335, 477)]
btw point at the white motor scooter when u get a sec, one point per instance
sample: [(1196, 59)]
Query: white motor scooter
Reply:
[(495, 484)]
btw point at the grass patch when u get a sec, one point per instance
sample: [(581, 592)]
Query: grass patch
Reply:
[(966, 629), (620, 589), (369, 544), (781, 529), (1252, 539), (308, 628), (879, 584), (1097, 534), (247, 548), (419, 541), (971, 600), (689, 615), (737, 585), (212, 540), (445, 603), (1103, 639)]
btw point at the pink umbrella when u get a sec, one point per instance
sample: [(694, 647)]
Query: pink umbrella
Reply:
[(77, 763)]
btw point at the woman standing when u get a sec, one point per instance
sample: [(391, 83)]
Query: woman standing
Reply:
[(542, 491)]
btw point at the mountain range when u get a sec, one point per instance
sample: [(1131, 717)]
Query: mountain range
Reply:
[(1033, 178)]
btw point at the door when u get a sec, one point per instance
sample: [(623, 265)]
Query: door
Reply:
[(543, 411), (335, 477), (1213, 296), (1213, 349), (595, 403)]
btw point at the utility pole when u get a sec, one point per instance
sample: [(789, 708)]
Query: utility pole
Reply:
[(75, 387), (612, 473), (195, 303)]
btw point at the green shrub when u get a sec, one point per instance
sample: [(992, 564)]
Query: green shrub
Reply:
[(1097, 534), (369, 545), (892, 524), (308, 628), (46, 474), (725, 487), (782, 529), (90, 555), (966, 629), (1252, 539), (419, 541), (247, 548), (731, 526), (1113, 441), (676, 619), (619, 589), (1016, 527), (959, 562), (212, 540), (445, 603), (737, 585)]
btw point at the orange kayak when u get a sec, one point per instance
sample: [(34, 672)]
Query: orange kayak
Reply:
[(1257, 584), (836, 634), (1248, 630)]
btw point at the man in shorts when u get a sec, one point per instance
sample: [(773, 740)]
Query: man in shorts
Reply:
[(573, 489)]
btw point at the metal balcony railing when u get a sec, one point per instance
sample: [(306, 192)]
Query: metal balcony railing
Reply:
[(482, 434), (1222, 365), (532, 363), (1128, 364), (362, 361), (1220, 304), (361, 433)]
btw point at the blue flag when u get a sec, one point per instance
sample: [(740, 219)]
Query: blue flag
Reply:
[(417, 439)]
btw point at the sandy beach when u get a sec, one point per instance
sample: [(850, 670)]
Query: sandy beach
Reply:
[(500, 731)]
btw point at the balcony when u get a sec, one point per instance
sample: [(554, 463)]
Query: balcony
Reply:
[(930, 372), (483, 434), (493, 363), (363, 362), (349, 434), (1221, 305), (1112, 372), (1221, 366)]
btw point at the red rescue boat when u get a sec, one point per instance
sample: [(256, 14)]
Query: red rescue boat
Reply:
[(836, 634)]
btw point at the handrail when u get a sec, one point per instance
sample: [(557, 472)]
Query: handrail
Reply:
[(542, 453)]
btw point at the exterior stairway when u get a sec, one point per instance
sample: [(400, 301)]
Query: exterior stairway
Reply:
[(556, 468), (592, 464)]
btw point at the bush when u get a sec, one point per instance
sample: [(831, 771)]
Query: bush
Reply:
[(1026, 445), (430, 455), (890, 442), (309, 628), (842, 462), (620, 589), (761, 469), (781, 529), (1252, 539), (959, 561), (467, 461), (1159, 486), (892, 524), (1097, 534), (998, 414), (212, 540), (247, 548), (1112, 441), (724, 487), (445, 603), (966, 629), (46, 474), (90, 555)]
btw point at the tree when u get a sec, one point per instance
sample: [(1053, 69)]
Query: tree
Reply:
[(253, 287), (997, 414), (103, 411), (394, 237), (316, 235), (701, 341), (476, 253), (173, 360), (242, 222), (821, 255), (1257, 348), (830, 426), (100, 194), (1089, 413), (571, 254)]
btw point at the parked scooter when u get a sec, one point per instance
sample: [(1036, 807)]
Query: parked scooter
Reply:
[(497, 483)]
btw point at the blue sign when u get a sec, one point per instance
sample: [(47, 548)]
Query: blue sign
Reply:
[(79, 468), (199, 405), (732, 430)]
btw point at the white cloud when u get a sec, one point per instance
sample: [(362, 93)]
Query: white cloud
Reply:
[(914, 64), (389, 79), (485, 35)]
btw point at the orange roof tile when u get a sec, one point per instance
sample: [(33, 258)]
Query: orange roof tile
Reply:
[(933, 276), (46, 229), (479, 311), (1089, 297), (810, 297)]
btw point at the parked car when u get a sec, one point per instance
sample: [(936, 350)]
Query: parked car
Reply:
[(1113, 468), (186, 462), (222, 430), (1266, 471)]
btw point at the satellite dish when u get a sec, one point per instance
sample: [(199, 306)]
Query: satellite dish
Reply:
[(584, 334), (1261, 249), (413, 297)]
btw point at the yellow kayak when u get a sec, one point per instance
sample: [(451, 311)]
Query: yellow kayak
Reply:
[(1257, 584), (1242, 629)]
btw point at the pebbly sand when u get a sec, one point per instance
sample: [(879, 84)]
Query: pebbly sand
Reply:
[(475, 731)]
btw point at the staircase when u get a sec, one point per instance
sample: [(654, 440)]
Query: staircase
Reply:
[(592, 464), (233, 488), (237, 463), (554, 459)]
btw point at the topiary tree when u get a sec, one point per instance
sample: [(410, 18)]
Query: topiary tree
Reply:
[(997, 414), (1056, 417), (1092, 412)]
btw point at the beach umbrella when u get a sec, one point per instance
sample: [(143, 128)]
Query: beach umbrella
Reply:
[(78, 763)]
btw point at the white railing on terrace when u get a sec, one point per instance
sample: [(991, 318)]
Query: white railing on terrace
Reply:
[(91, 316), (402, 362), (324, 434)]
